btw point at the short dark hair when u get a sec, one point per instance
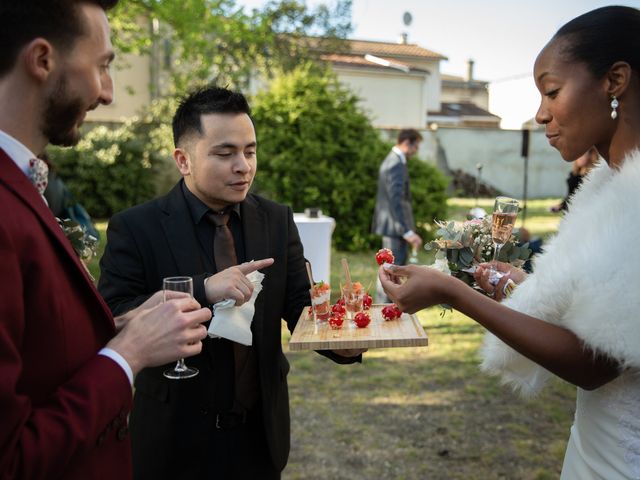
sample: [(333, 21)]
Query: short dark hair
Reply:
[(603, 36), (58, 21), (409, 134), (210, 99)]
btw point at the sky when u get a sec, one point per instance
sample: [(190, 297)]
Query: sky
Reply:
[(503, 37)]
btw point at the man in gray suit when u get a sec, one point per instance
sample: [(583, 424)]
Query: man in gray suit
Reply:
[(393, 215)]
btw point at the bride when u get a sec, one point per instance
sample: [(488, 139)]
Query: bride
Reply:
[(578, 315)]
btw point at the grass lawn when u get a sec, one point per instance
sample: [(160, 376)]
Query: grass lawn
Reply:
[(422, 413)]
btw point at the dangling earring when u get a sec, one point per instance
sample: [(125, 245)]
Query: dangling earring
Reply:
[(614, 106)]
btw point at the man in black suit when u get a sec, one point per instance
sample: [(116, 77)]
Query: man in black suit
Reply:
[(393, 215), (232, 420)]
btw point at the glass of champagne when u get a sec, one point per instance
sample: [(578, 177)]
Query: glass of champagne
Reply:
[(505, 211), (184, 285)]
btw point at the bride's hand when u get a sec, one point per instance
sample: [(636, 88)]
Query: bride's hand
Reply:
[(413, 287)]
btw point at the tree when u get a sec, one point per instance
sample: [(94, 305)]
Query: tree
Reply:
[(216, 41)]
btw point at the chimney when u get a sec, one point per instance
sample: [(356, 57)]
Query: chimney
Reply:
[(470, 63), (404, 38)]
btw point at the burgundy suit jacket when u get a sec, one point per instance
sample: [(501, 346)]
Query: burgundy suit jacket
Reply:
[(63, 408)]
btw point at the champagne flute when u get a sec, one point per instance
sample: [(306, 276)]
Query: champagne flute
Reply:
[(185, 285), (505, 211)]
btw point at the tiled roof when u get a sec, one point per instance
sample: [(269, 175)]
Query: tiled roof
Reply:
[(380, 49), (361, 61), (462, 109), (386, 48), (453, 80)]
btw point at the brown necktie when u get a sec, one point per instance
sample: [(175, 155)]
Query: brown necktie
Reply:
[(224, 250), (245, 369)]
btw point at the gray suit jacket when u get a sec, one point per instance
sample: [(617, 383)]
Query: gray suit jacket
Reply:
[(393, 216)]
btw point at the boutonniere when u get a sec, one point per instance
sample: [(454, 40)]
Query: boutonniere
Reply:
[(84, 244)]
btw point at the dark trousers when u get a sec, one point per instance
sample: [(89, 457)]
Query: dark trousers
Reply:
[(240, 454), (400, 249), (237, 452)]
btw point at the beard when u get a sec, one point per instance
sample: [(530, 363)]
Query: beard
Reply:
[(62, 115)]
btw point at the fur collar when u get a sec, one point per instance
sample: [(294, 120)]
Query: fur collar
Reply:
[(587, 279)]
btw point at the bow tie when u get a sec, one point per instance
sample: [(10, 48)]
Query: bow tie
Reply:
[(38, 173)]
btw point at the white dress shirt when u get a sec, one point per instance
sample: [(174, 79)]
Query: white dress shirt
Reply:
[(399, 152), (20, 154)]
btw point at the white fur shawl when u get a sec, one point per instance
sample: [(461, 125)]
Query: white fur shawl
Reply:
[(588, 278)]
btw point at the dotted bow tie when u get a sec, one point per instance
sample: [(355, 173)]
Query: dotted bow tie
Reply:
[(38, 173)]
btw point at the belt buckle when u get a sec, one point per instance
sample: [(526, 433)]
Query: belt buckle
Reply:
[(238, 419), (222, 421)]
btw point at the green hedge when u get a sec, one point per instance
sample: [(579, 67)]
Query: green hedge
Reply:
[(316, 148), (113, 168), (428, 195)]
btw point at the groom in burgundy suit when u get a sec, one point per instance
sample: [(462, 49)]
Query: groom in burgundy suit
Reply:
[(65, 375)]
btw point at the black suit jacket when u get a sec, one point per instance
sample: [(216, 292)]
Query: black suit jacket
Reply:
[(158, 239)]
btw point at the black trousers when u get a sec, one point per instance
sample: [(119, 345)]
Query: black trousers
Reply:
[(204, 452), (240, 454)]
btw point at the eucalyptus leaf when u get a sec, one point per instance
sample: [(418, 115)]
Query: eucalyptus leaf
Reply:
[(466, 257), (75, 236)]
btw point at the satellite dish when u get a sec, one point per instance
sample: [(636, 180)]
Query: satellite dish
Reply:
[(407, 18)]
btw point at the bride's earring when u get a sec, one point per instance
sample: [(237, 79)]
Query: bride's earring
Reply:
[(614, 105)]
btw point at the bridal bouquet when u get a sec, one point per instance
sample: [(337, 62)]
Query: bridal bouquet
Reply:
[(461, 246)]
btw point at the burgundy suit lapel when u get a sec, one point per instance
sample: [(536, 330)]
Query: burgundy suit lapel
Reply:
[(17, 182)]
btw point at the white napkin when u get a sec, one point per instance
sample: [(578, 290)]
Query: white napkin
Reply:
[(234, 323)]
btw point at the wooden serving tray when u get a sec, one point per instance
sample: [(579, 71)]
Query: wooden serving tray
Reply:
[(403, 332)]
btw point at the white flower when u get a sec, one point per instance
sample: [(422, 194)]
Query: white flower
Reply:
[(442, 265)]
